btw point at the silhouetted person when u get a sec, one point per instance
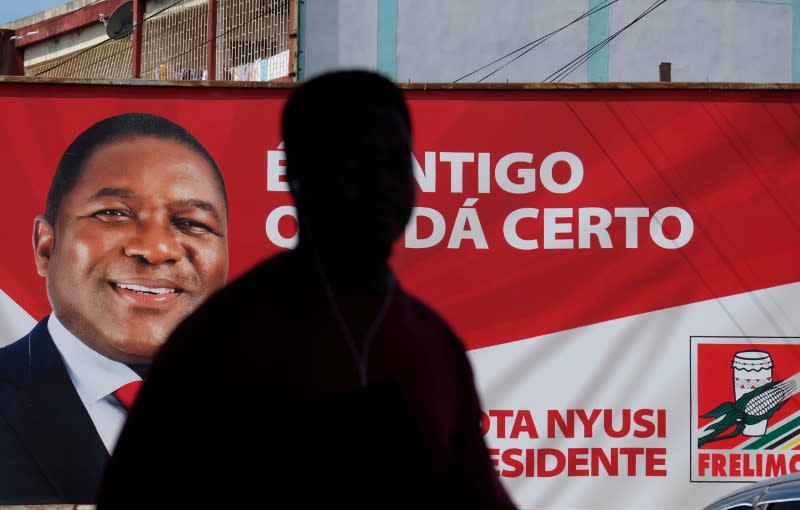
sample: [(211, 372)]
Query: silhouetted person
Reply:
[(314, 380)]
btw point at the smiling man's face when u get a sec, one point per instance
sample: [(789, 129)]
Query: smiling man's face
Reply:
[(139, 242)]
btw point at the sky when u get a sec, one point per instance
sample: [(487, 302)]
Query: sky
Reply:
[(16, 9)]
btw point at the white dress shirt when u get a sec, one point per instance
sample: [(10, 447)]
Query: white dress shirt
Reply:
[(95, 378)]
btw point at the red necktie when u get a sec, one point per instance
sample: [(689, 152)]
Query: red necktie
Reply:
[(127, 394)]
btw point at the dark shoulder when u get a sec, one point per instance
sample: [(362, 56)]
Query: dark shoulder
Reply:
[(247, 291), (215, 333), (425, 313), (269, 272), (434, 336), (238, 303), (429, 320)]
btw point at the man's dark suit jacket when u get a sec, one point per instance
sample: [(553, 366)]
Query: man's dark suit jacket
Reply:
[(50, 451)]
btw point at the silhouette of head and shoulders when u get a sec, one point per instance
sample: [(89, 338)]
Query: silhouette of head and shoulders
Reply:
[(347, 137), (348, 147)]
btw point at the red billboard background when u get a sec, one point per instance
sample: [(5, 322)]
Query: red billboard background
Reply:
[(540, 212), (728, 158)]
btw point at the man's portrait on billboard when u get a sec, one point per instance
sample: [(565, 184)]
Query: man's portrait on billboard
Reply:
[(132, 238)]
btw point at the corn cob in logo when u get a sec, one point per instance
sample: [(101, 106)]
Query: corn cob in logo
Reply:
[(753, 407)]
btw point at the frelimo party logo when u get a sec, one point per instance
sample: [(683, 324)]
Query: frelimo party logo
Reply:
[(745, 413)]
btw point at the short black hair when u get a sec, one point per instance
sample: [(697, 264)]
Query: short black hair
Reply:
[(125, 126), (318, 107)]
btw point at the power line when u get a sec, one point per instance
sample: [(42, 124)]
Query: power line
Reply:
[(149, 37), (535, 43), (105, 42), (562, 72), (596, 9), (70, 59), (205, 43), (121, 50), (570, 67)]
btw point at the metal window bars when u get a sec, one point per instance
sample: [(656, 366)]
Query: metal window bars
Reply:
[(174, 45), (252, 44), (253, 40)]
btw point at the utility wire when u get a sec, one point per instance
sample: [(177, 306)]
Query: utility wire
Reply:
[(536, 42), (170, 6), (149, 37), (73, 57), (569, 68), (205, 43), (562, 72), (589, 13), (127, 48)]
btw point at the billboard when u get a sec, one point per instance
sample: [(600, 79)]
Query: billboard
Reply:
[(621, 264)]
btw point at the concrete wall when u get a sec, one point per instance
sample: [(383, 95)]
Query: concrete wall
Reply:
[(341, 33), (52, 12), (706, 40), (64, 45), (441, 40)]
